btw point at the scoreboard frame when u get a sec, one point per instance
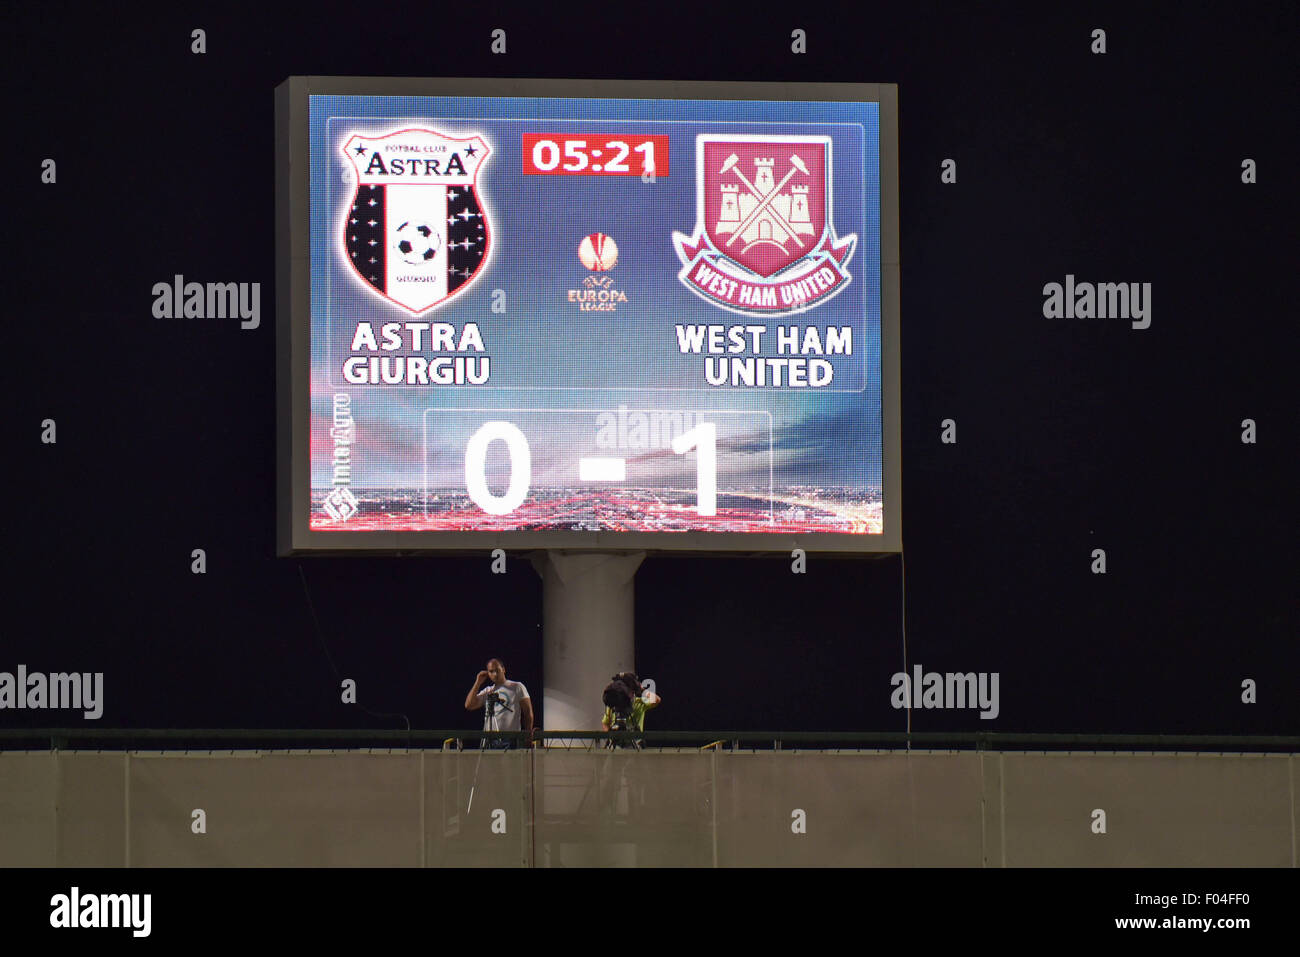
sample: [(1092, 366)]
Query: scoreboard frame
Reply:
[(293, 324)]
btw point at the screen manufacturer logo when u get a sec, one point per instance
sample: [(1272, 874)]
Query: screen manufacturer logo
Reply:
[(416, 231), (764, 243), (340, 504)]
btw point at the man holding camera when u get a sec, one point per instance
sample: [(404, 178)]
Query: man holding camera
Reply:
[(626, 703), (506, 704)]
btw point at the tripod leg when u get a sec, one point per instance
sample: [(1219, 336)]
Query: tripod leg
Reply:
[(481, 743)]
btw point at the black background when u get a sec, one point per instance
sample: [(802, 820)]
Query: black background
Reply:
[(1073, 434)]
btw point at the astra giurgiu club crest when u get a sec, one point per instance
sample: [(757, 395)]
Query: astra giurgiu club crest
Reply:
[(416, 231)]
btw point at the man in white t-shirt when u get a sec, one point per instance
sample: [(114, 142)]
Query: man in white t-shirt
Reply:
[(506, 705)]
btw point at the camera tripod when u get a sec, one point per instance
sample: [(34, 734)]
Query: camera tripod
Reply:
[(623, 722), (490, 703)]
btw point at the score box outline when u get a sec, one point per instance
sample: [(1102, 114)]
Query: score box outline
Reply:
[(496, 412), (348, 180)]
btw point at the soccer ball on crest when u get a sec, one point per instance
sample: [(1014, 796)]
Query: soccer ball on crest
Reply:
[(416, 243)]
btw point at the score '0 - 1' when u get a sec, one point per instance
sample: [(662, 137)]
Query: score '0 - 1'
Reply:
[(704, 438)]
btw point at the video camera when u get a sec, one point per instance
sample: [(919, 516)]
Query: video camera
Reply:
[(624, 688)]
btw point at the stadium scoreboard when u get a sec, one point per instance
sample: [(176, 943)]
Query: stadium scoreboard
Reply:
[(587, 314)]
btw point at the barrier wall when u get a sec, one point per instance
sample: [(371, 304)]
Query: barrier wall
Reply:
[(559, 807)]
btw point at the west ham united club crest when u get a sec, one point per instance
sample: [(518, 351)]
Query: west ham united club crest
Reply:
[(764, 243), (416, 232)]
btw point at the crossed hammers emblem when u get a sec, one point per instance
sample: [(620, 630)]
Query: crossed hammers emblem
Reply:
[(765, 202)]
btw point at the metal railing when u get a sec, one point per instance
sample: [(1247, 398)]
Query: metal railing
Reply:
[(126, 739)]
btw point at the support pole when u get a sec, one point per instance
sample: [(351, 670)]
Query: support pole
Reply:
[(587, 632)]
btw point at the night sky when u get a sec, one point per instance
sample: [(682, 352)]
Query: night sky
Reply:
[(1073, 434)]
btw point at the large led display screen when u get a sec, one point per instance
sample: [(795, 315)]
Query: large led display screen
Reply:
[(589, 319)]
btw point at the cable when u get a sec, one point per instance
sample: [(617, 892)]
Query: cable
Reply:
[(320, 635), (907, 677)]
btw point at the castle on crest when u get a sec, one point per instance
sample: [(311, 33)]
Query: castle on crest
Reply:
[(780, 220)]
